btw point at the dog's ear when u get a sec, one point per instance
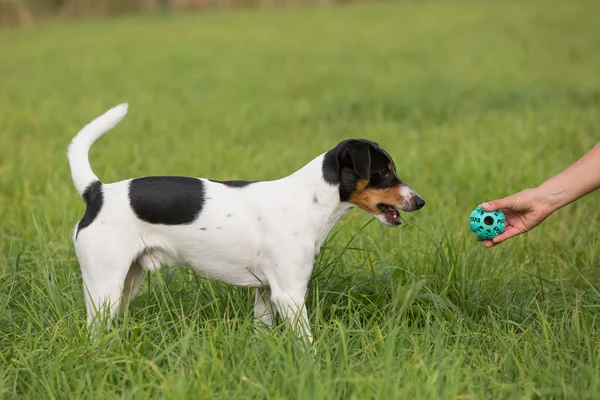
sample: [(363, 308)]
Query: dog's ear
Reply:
[(354, 154), (357, 155)]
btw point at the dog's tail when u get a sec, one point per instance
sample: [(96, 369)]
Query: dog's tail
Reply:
[(78, 149)]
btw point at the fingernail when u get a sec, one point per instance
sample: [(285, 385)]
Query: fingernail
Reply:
[(486, 205)]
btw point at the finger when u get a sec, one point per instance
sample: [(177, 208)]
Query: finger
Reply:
[(507, 234), (510, 231), (489, 244), (495, 241), (483, 240), (494, 205)]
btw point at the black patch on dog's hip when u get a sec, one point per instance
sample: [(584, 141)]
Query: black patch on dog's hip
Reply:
[(167, 200), (93, 198)]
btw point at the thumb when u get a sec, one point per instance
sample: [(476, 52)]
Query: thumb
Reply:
[(494, 205)]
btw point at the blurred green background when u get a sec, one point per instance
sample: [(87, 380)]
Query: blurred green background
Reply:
[(474, 100)]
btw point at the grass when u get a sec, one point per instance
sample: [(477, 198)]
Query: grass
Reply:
[(474, 100)]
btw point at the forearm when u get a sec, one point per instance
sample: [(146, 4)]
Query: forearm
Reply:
[(574, 182)]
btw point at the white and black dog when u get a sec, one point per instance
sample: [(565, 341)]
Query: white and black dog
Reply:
[(263, 235)]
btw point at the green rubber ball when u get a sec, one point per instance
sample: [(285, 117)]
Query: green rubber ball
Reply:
[(487, 225)]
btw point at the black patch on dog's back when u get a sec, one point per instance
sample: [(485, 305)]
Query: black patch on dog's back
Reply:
[(234, 184), (93, 198), (166, 200)]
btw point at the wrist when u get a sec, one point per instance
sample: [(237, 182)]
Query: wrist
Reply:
[(551, 199)]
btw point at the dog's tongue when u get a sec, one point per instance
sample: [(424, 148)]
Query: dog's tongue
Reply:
[(394, 213)]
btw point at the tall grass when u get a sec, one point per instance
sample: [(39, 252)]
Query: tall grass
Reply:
[(474, 100)]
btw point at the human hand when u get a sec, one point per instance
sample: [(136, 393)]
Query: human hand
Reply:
[(524, 211)]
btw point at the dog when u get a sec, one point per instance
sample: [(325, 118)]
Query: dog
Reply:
[(262, 234)]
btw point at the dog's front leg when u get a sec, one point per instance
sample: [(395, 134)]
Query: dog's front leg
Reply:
[(288, 275), (264, 311), (290, 305)]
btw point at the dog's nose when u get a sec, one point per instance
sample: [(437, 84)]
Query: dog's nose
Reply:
[(419, 202)]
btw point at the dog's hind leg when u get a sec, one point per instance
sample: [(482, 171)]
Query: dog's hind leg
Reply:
[(104, 276), (133, 282), (103, 298), (150, 260)]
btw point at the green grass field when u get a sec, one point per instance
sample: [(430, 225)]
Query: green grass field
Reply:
[(474, 100)]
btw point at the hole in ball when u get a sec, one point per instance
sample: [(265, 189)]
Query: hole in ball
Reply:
[(488, 220)]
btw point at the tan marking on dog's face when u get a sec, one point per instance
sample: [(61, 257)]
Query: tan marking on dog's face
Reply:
[(367, 199)]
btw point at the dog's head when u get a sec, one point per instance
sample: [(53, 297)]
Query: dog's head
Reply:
[(366, 175)]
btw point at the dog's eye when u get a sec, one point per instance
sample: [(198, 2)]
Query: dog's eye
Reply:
[(384, 172)]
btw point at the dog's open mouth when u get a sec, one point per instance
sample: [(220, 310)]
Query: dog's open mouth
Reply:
[(391, 214)]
